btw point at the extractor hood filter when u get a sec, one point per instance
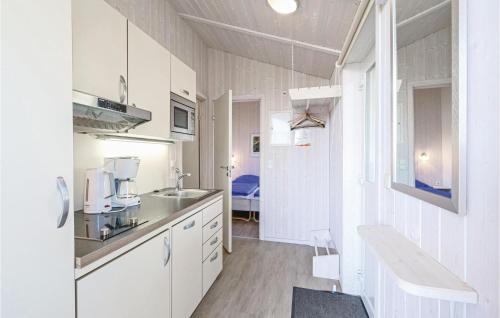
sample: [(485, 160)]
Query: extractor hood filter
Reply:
[(94, 114)]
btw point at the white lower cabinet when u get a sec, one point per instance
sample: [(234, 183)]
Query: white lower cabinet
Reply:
[(137, 284), (187, 266), (166, 276)]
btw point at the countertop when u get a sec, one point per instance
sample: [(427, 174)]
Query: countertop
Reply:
[(156, 210)]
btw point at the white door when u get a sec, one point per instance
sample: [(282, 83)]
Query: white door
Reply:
[(136, 284), (36, 129), (223, 149)]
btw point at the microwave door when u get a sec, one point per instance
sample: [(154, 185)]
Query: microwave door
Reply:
[(181, 119)]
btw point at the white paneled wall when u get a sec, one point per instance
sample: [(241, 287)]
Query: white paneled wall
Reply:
[(467, 245), (294, 180)]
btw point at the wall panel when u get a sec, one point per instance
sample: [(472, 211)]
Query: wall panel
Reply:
[(467, 245), (289, 208)]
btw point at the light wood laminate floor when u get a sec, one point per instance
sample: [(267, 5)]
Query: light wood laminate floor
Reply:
[(258, 279), (248, 229)]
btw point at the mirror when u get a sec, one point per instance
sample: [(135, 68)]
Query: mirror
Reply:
[(429, 93)]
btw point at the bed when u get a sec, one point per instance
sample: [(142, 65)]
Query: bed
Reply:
[(243, 194), (423, 186)]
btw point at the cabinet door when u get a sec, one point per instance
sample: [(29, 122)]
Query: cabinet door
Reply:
[(99, 50), (149, 81), (137, 284), (182, 79), (36, 129), (187, 267)]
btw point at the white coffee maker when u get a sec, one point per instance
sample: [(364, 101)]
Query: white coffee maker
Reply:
[(124, 170)]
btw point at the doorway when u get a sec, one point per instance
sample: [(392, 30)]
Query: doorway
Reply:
[(246, 168)]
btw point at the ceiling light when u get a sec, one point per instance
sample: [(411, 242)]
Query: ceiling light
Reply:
[(284, 6)]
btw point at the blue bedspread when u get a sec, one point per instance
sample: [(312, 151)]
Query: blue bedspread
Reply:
[(244, 189), (442, 192), (257, 194), (245, 185), (247, 178)]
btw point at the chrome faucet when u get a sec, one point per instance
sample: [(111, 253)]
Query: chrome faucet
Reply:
[(180, 176)]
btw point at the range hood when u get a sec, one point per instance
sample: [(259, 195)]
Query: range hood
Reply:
[(93, 114)]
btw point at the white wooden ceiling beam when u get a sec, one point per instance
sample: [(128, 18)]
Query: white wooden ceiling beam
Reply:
[(262, 35), (423, 13)]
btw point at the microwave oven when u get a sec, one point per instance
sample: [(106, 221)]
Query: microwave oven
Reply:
[(182, 118)]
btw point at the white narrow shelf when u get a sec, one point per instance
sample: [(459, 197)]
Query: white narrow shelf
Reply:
[(416, 272), (320, 96)]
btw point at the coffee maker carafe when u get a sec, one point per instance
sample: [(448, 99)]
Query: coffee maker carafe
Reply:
[(125, 171)]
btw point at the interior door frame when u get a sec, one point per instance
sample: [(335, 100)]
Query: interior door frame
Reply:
[(262, 177), (368, 65)]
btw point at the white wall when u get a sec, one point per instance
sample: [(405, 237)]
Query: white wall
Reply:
[(294, 180), (467, 245), (246, 121)]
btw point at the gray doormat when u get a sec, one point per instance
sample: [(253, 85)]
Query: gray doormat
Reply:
[(308, 303)]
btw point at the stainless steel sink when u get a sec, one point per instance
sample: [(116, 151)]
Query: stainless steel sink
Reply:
[(182, 194)]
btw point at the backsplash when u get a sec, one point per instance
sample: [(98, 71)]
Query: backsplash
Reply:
[(156, 170)]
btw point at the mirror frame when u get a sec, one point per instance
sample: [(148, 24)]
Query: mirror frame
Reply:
[(457, 203)]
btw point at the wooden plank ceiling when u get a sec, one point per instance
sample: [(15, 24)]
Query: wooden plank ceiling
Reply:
[(250, 28), (418, 19)]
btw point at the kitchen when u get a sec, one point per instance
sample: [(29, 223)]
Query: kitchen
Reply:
[(104, 100)]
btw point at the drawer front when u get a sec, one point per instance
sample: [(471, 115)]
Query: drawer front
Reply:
[(210, 212), (212, 267), (212, 244), (212, 227)]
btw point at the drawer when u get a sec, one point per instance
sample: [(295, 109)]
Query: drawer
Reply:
[(212, 267), (212, 244), (210, 212), (211, 227)]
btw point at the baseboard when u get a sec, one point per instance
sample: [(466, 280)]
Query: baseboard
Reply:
[(368, 305)]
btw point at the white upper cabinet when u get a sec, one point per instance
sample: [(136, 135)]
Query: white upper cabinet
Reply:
[(99, 50), (149, 81), (182, 79), (136, 284)]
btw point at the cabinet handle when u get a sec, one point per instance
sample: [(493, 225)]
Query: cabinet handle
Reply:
[(213, 258), (189, 225), (122, 89), (185, 91), (213, 226), (215, 240), (63, 190), (166, 247)]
